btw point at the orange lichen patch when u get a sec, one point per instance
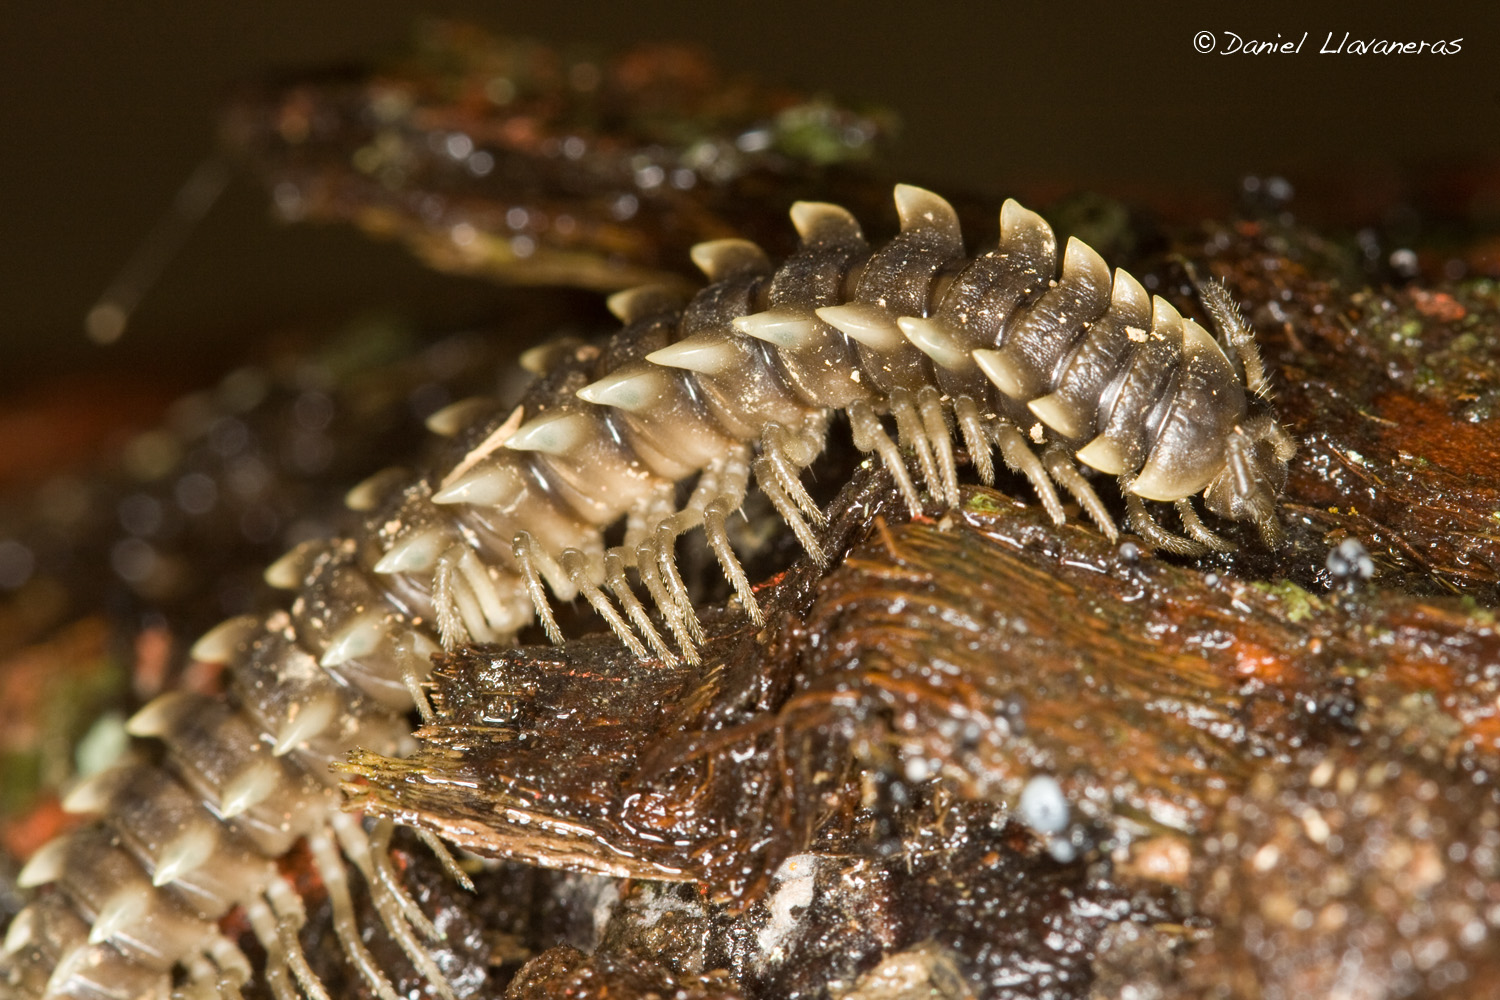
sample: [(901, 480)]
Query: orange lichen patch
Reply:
[(1438, 305), (1427, 429), (1256, 661), (20, 837), (1485, 729), (1419, 671)]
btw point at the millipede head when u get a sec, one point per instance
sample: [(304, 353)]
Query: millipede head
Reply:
[(1255, 470)]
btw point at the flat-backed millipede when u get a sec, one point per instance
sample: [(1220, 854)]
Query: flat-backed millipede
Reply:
[(1052, 362)]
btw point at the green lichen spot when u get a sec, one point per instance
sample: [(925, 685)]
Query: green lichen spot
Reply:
[(1480, 616), (982, 503), (822, 133), (1300, 605)]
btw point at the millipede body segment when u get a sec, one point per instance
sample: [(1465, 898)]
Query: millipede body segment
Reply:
[(578, 491), (1053, 362)]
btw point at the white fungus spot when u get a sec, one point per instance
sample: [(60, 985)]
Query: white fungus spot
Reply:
[(1043, 806), (1062, 851), (1350, 561), (792, 890)]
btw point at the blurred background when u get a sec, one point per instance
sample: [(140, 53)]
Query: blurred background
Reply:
[(108, 108)]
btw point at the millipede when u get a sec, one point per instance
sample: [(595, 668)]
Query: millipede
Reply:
[(932, 358)]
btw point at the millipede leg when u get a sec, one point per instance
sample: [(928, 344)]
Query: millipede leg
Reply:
[(460, 611), (805, 444), (637, 527), (470, 610), (445, 858), (385, 870), (330, 868), (736, 474), (1272, 534), (500, 620), (788, 475), (705, 491), (976, 441), (643, 518), (450, 625), (909, 431), (414, 670), (524, 546), (1020, 458), (940, 433), (275, 972), (869, 435), (1143, 524), (575, 564), (770, 485), (614, 578), (1196, 529), (666, 555), (388, 899), (281, 920), (718, 539), (649, 567), (1069, 478), (233, 967), (205, 981)]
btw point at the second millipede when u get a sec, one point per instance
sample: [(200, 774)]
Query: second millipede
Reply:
[(1052, 362)]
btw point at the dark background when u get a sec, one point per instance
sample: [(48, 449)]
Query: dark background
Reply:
[(108, 107)]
